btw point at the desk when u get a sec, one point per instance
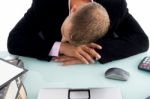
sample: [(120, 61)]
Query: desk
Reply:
[(44, 74)]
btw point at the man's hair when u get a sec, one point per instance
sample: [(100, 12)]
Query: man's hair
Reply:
[(89, 23)]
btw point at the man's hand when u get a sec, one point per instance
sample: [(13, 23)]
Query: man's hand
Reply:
[(85, 53), (67, 60)]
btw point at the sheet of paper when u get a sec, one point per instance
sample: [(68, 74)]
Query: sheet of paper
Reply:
[(8, 72), (95, 93), (106, 93), (53, 94)]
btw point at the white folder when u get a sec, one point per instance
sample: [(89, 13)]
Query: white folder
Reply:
[(9, 72)]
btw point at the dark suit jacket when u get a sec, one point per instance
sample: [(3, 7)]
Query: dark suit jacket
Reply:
[(36, 32)]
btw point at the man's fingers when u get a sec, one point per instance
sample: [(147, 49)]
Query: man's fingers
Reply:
[(88, 57), (67, 60), (71, 62), (94, 45), (95, 54), (62, 58), (80, 57), (92, 52)]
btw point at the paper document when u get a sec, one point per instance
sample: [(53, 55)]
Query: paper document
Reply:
[(95, 93), (8, 72)]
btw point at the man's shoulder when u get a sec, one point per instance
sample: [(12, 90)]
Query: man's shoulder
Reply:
[(50, 2), (47, 7), (50, 5), (115, 8), (112, 4)]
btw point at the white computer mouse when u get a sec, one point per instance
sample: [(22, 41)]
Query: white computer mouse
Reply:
[(117, 74)]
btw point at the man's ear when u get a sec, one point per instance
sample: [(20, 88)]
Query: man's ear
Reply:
[(73, 8), (71, 4)]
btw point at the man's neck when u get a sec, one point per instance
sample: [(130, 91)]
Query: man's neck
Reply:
[(72, 3)]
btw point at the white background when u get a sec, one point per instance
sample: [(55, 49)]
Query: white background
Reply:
[(11, 12)]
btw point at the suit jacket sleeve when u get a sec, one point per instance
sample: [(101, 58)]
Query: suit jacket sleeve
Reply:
[(24, 38), (125, 36), (130, 39)]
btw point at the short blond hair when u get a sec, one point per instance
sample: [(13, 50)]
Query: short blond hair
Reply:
[(89, 23)]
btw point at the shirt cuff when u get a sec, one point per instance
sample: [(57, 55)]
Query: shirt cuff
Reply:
[(55, 49)]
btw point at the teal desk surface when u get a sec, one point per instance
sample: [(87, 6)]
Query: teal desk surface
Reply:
[(42, 74)]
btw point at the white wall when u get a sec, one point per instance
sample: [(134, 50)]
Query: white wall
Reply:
[(12, 10), (140, 10)]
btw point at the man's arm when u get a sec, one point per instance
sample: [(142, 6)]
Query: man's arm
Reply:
[(131, 40), (24, 39)]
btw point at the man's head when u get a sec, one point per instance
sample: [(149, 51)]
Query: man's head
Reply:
[(86, 23)]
